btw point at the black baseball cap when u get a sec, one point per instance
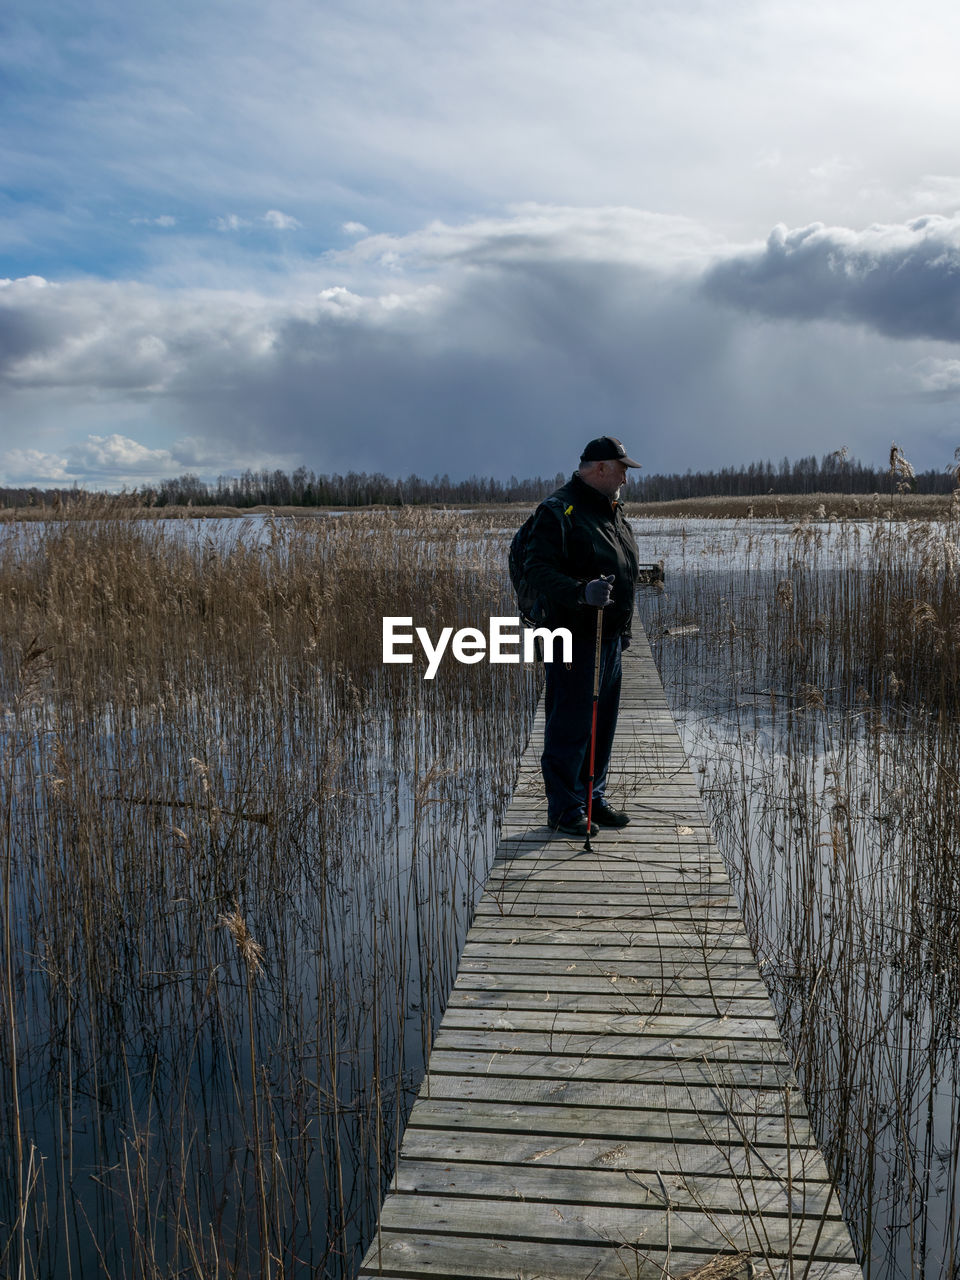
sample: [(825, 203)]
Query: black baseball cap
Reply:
[(607, 449)]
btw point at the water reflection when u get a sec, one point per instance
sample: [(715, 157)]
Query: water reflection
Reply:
[(240, 861)]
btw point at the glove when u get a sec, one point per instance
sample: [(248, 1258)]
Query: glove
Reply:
[(598, 593), (624, 643)]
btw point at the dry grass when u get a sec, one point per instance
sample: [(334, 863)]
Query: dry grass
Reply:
[(810, 506), (822, 705), (239, 858)]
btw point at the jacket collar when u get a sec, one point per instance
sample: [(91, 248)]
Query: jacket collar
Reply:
[(591, 497)]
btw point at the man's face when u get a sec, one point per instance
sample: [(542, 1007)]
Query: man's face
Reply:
[(609, 477)]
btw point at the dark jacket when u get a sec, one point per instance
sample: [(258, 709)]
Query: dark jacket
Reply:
[(595, 539)]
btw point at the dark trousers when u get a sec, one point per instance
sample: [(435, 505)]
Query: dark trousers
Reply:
[(568, 702)]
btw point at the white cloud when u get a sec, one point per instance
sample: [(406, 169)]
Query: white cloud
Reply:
[(25, 282), (162, 220), (938, 377), (231, 222), (118, 455), (114, 458), (117, 460), (354, 228), (548, 233), (281, 221), (937, 192), (831, 169), (33, 467)]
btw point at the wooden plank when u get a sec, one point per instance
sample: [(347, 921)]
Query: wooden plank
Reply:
[(694, 1072), (537, 837), (687, 852), (701, 934), (705, 896), (606, 1003), (605, 948), (548, 930), (721, 1268), (560, 985), (693, 909), (503, 988), (613, 1095), (618, 1046), (679, 1027), (679, 858), (752, 1193), (504, 1257), (711, 934), (647, 885), (608, 850), (621, 1125), (691, 1229), (668, 965), (509, 1151), (659, 821), (675, 894), (567, 878)]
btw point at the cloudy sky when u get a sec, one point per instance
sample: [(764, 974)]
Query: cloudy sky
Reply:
[(462, 236)]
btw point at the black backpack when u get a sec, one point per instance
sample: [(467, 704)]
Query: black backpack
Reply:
[(532, 606)]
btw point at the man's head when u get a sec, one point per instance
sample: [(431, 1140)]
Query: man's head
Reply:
[(603, 465)]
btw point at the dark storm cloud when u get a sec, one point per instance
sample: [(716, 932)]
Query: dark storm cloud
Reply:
[(494, 347), (512, 371), (901, 280)]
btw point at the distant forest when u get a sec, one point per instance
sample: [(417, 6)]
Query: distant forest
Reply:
[(834, 473)]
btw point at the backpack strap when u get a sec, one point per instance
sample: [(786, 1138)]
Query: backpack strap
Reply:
[(562, 513)]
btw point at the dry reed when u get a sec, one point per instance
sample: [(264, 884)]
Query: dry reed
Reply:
[(201, 747), (819, 694)]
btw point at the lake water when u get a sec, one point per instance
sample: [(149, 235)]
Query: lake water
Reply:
[(362, 937)]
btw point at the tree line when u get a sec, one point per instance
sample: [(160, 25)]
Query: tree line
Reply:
[(833, 473)]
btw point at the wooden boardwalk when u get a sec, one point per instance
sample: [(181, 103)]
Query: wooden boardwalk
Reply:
[(608, 1096)]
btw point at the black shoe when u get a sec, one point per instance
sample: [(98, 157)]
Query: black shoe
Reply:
[(607, 817), (575, 827)]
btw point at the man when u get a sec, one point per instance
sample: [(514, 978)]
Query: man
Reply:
[(582, 556)]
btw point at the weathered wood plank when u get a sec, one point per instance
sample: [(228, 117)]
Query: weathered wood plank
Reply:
[(673, 895), (677, 1026), (696, 1072), (564, 881), (650, 888), (796, 1166), (504, 1257), (606, 1003), (701, 934), (618, 1046), (666, 966), (620, 1125), (690, 1229), (690, 1269), (546, 930), (606, 949), (504, 988), (693, 910), (639, 1188), (611, 1095)]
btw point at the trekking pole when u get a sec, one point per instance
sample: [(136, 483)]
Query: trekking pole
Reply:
[(593, 728)]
